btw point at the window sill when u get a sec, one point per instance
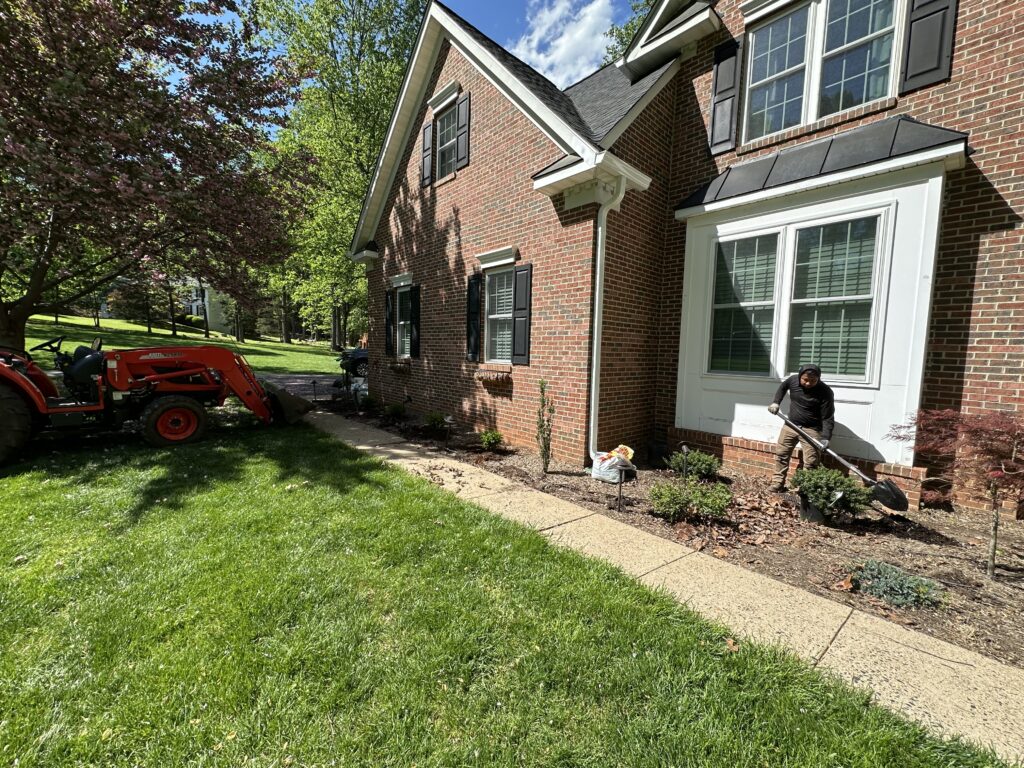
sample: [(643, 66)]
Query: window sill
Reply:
[(871, 108), (493, 372), (402, 365), (445, 179)]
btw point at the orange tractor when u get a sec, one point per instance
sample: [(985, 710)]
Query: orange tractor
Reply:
[(166, 389)]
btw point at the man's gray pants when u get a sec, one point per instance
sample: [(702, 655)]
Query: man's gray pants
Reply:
[(788, 438)]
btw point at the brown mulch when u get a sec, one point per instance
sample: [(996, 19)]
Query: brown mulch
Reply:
[(764, 533)]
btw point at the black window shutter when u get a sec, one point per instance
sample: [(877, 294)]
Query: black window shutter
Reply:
[(426, 170), (389, 323), (473, 318), (414, 321), (462, 132), (521, 290), (725, 98), (928, 45)]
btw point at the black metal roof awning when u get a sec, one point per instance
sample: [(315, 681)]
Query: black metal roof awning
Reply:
[(868, 144)]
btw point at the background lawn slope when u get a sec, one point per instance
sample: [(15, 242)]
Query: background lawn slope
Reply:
[(270, 597), (263, 356)]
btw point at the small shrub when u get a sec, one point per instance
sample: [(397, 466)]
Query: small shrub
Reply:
[(395, 411), (698, 464), (369, 404), (895, 586), (822, 486), (674, 501), (435, 422), (545, 417), (491, 439)]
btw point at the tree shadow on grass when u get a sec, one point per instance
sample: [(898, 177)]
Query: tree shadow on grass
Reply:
[(300, 453)]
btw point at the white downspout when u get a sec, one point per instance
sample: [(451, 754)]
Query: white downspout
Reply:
[(598, 313)]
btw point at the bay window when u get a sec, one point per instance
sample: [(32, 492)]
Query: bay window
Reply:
[(818, 59), (802, 294)]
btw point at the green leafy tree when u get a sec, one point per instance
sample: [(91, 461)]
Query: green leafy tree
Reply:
[(354, 53), (622, 34)]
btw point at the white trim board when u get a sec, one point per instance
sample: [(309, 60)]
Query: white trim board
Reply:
[(498, 257), (444, 96)]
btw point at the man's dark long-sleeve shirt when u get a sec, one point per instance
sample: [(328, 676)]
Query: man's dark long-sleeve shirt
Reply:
[(814, 408)]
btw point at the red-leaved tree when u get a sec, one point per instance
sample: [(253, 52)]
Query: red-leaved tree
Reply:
[(134, 129), (981, 453)]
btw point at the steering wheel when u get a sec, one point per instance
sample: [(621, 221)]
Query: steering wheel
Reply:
[(53, 345)]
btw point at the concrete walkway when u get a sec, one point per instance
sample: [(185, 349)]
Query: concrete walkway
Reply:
[(949, 689)]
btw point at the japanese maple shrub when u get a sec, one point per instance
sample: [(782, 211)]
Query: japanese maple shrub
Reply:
[(980, 452)]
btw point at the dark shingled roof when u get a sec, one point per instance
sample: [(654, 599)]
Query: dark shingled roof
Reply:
[(872, 143), (591, 107)]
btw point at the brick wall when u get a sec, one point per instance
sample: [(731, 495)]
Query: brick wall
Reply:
[(976, 335), (435, 233)]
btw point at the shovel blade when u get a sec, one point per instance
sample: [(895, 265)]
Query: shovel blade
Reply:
[(287, 407), (888, 494)]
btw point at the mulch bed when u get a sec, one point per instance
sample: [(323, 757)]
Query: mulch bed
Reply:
[(764, 533)]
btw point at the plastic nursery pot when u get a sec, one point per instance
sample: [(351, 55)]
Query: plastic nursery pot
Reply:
[(809, 512)]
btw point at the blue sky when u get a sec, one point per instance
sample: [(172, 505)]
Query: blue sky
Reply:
[(564, 39)]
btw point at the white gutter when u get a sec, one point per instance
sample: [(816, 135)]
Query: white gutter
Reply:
[(598, 313)]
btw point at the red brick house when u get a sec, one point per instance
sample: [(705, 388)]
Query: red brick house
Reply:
[(755, 184)]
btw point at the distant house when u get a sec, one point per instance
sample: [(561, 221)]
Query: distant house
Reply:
[(755, 184), (205, 296)]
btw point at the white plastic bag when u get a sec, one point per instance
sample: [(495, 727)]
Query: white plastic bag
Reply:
[(607, 465)]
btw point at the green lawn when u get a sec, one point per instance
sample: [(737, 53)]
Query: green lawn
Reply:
[(269, 597), (263, 356)]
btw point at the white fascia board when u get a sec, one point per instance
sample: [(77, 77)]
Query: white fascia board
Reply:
[(499, 257), (620, 127), (365, 257), (445, 96), (702, 24), (437, 23), (953, 155), (606, 167)]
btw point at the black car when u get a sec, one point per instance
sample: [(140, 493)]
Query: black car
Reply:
[(355, 361)]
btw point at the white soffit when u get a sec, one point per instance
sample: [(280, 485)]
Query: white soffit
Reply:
[(365, 256), (437, 26), (607, 167), (952, 157)]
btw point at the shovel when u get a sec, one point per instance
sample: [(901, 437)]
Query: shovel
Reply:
[(885, 492)]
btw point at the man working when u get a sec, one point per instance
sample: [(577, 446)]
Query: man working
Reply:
[(812, 407)]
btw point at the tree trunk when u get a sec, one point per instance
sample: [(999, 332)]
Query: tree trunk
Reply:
[(286, 337), (206, 312), (149, 313), (170, 310), (239, 327), (991, 569), (335, 329), (96, 318), (12, 331), (346, 310)]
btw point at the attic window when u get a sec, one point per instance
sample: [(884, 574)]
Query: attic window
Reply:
[(447, 129)]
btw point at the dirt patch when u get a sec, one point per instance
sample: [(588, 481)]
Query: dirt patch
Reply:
[(764, 533)]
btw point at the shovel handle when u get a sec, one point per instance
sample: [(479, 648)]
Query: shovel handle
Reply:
[(829, 451)]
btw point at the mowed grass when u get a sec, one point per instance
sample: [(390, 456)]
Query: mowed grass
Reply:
[(263, 356), (271, 598)]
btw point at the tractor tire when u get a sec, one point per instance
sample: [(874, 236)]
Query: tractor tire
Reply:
[(173, 420), (17, 423)]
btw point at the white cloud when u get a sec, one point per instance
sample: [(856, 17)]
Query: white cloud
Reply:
[(565, 39)]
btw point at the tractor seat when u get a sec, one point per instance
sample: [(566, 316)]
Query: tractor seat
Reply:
[(80, 352), (83, 368)]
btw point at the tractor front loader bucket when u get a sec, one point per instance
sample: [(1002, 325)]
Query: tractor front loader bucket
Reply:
[(287, 407)]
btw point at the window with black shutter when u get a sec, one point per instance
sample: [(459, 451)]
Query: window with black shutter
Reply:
[(473, 318), (427, 156), (521, 305), (414, 321), (389, 323), (928, 44), (725, 98), (462, 134)]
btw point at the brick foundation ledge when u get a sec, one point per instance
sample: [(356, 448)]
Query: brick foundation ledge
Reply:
[(757, 457)]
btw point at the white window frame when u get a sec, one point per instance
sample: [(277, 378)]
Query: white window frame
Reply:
[(453, 144), (488, 274), (403, 325), (785, 276), (814, 60)]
